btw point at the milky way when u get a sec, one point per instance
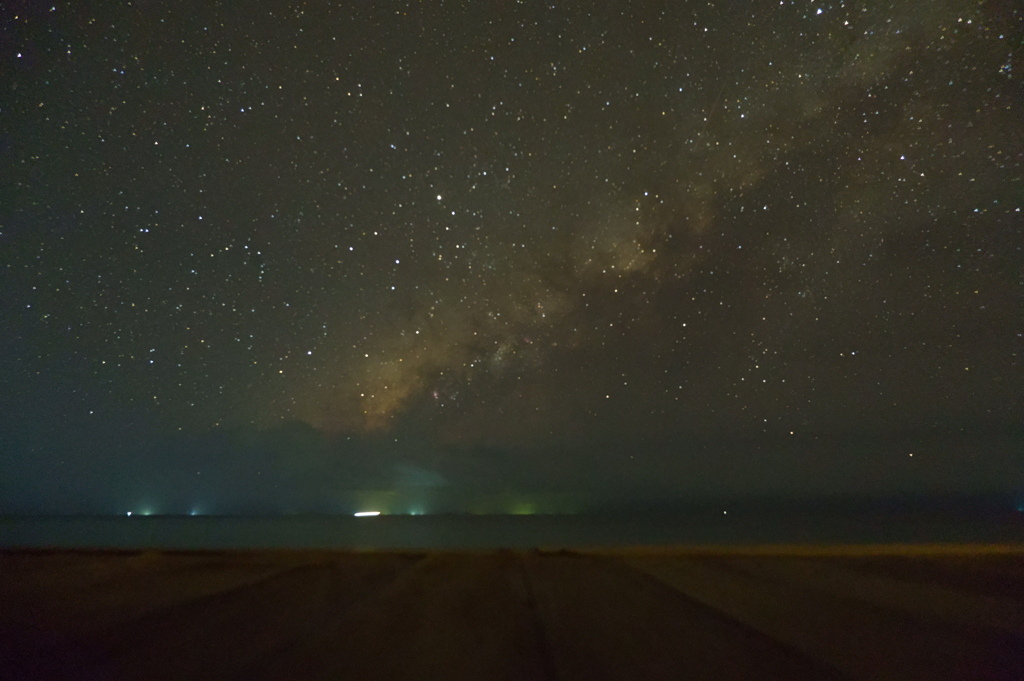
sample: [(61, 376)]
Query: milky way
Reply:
[(530, 226)]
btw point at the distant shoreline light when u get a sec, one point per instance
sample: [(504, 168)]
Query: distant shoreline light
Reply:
[(366, 514)]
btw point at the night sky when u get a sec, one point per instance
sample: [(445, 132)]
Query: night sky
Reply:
[(260, 255)]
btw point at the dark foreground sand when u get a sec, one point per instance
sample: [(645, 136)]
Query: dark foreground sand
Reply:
[(797, 613)]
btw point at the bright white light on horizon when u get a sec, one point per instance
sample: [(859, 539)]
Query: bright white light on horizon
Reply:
[(129, 512), (367, 514)]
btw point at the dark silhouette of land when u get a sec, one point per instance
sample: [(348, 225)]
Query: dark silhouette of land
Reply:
[(884, 612)]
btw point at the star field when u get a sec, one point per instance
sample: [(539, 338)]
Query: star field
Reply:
[(585, 237)]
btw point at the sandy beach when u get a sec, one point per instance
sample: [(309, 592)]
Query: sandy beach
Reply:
[(860, 612)]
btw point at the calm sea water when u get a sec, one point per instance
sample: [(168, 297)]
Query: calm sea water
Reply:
[(467, 531)]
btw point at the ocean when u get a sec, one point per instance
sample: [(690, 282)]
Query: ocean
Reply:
[(456, 531)]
